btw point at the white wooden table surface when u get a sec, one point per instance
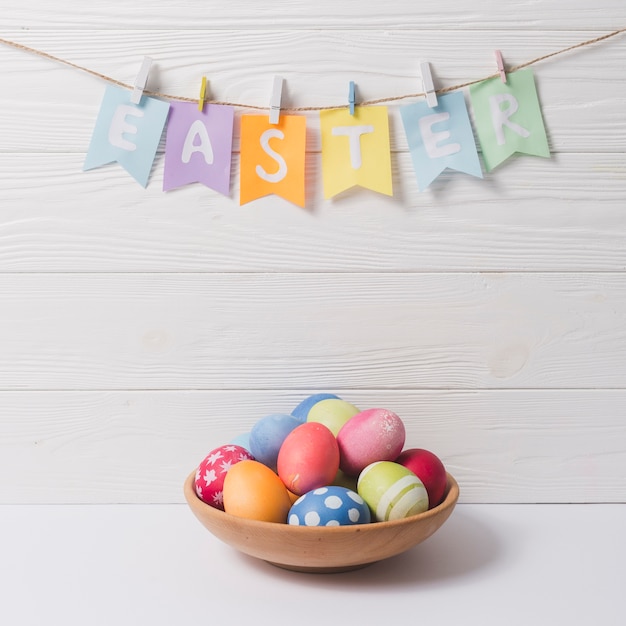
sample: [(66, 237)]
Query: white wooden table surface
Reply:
[(123, 565)]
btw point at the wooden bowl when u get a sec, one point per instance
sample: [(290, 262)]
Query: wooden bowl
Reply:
[(321, 550)]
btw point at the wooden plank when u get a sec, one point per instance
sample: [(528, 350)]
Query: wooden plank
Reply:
[(561, 214), (188, 14), (502, 446), (50, 107), (267, 331)]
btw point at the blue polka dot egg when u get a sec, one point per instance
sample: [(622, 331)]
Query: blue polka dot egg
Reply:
[(329, 506)]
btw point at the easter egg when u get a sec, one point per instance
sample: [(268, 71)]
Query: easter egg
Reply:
[(209, 481), (392, 491), (429, 469), (254, 491), (343, 480), (243, 440), (308, 458), (329, 506), (267, 436), (372, 435), (332, 412), (301, 412)]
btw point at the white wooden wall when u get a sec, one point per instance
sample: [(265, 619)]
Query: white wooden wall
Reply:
[(139, 329)]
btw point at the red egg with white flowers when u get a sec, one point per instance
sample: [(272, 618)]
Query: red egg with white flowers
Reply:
[(211, 472)]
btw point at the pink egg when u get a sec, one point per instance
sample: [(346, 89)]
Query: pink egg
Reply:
[(308, 458), (370, 436), (211, 472)]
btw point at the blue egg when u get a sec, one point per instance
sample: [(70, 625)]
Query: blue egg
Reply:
[(329, 506), (242, 440), (302, 410), (267, 436)]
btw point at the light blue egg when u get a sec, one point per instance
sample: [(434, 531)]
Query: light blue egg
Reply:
[(242, 440), (329, 506), (267, 436)]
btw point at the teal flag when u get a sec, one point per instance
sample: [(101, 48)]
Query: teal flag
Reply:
[(508, 118), (440, 138), (127, 133)]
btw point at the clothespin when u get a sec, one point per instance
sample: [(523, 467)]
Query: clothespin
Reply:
[(500, 63), (429, 85), (140, 81), (277, 94), (202, 97), (351, 97)]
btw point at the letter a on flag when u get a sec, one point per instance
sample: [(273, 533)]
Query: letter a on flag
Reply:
[(440, 137), (127, 133), (508, 118), (355, 150), (198, 146), (272, 158)]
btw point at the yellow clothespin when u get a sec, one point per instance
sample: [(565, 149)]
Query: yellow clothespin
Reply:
[(202, 97)]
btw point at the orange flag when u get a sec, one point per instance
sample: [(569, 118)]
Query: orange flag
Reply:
[(272, 158)]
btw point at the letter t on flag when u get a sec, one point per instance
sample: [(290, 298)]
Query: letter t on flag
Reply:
[(355, 150), (127, 133), (272, 158), (508, 118)]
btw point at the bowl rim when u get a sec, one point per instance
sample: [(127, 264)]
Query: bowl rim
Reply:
[(449, 500)]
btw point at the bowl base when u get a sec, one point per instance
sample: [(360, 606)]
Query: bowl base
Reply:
[(320, 570)]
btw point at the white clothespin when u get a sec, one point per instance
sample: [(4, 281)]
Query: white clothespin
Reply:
[(500, 63), (429, 85), (277, 94), (351, 97), (140, 81), (202, 96)]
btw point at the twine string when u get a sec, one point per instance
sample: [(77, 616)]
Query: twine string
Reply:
[(443, 90)]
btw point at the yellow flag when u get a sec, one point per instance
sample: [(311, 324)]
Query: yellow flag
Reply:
[(355, 150), (272, 158)]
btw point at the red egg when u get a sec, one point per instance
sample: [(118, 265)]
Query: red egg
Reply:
[(369, 436), (308, 458), (211, 472), (429, 469)]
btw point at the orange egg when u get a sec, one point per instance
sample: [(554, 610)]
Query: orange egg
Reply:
[(252, 490)]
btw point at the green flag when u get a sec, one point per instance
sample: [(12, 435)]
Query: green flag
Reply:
[(508, 118)]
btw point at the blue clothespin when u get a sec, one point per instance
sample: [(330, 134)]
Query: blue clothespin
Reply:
[(351, 97)]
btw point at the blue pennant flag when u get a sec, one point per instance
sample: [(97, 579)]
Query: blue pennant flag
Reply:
[(127, 133), (440, 137)]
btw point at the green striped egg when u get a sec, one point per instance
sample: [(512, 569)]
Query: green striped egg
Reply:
[(392, 491)]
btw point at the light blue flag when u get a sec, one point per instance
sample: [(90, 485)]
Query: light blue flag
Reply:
[(440, 137), (127, 133)]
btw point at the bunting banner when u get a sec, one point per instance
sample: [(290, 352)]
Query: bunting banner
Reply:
[(355, 150), (272, 158), (508, 118), (127, 133), (440, 138), (355, 144), (198, 147)]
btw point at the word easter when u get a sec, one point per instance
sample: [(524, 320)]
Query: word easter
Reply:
[(355, 146)]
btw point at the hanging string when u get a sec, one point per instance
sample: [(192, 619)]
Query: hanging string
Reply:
[(444, 90)]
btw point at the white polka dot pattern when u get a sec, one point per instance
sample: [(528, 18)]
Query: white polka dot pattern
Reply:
[(329, 506)]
